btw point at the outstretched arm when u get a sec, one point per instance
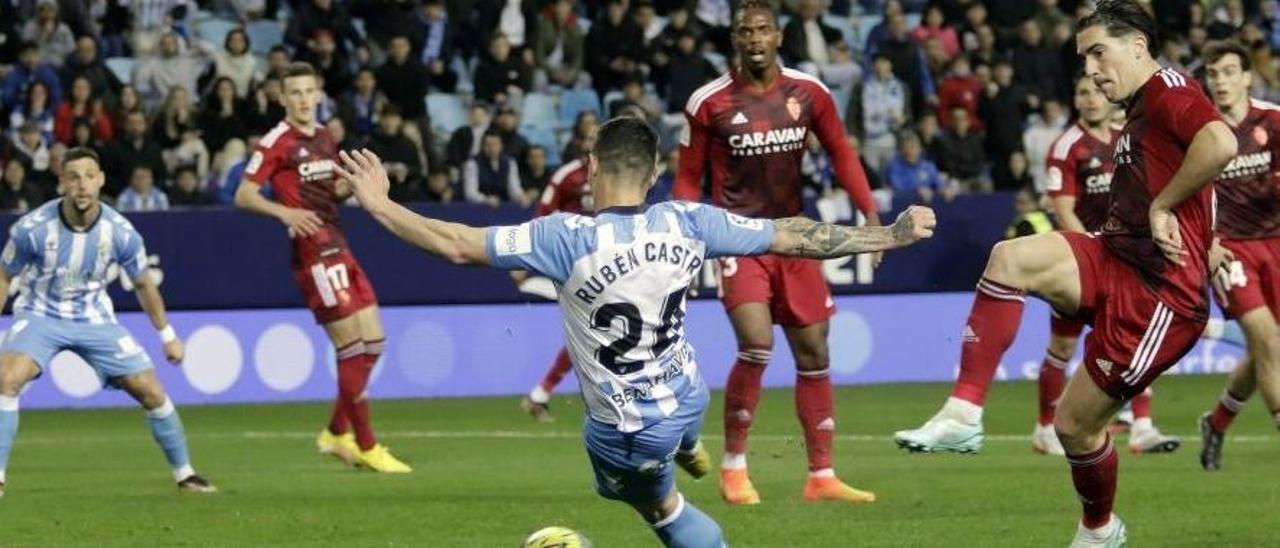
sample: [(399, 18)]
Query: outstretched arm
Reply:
[(153, 304), (804, 237), (457, 243)]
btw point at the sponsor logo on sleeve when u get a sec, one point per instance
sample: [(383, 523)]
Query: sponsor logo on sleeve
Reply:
[(513, 240)]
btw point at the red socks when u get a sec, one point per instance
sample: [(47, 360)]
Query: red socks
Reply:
[(1053, 376), (1094, 475), (815, 405), (558, 370), (1141, 405), (742, 393), (1228, 406), (354, 366), (993, 323)]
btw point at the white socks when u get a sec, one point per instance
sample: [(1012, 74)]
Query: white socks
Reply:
[(1101, 533), (964, 411), (163, 411), (1142, 426), (183, 472), (538, 395), (8, 403), (734, 461), (823, 473)]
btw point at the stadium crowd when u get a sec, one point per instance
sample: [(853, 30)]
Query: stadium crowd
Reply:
[(481, 100)]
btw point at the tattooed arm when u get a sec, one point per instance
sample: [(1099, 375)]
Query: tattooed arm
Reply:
[(804, 237)]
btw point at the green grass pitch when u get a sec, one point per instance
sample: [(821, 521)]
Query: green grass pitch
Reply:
[(487, 476)]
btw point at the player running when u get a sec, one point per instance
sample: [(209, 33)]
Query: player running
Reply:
[(1249, 226), (296, 159), (59, 256), (749, 127), (568, 191), (623, 275), (1142, 281)]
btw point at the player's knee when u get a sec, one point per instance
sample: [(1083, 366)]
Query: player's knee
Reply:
[(1003, 265), (15, 371), (812, 361), (1062, 347)]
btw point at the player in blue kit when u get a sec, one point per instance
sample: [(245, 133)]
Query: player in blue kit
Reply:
[(59, 256), (622, 277)]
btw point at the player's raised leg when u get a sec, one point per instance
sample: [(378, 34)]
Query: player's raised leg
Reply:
[(1081, 422), (354, 367), (753, 328), (166, 428), (815, 407), (16, 370), (1043, 264), (1144, 437), (538, 402)]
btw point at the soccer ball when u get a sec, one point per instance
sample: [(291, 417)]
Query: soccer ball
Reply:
[(556, 537)]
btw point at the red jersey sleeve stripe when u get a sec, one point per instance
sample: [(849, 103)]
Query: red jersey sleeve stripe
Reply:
[(705, 92)]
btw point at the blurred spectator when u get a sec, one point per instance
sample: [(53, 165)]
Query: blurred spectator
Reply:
[(277, 62), (222, 114), (583, 137), (1044, 129), (133, 148), (558, 49), (960, 153), (322, 54), (399, 156), (81, 105), (534, 172), (884, 111), (806, 39), (1036, 65), (879, 30), (86, 63), (501, 77), (930, 132), (465, 141), (36, 110), (679, 23), (404, 80), (911, 173), (1004, 107), (685, 72), (237, 63), (53, 37), (313, 16), (265, 110), (186, 191), (156, 76), (1028, 218), (503, 16), (815, 166), (987, 51), (507, 125), (1228, 19), (31, 149), (434, 42), (960, 88), (1016, 174), (174, 116), (344, 139), (189, 152), (661, 189), (492, 176), (1048, 16), (360, 107), (82, 136), (633, 97), (908, 62), (17, 193), (975, 18), (384, 19), (614, 47), (230, 164), (841, 73), (29, 69), (935, 26), (142, 194), (439, 188), (151, 19)]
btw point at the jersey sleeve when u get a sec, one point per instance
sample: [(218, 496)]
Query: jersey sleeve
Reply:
[(727, 234), (130, 252), (1060, 172), (262, 165), (1184, 112), (695, 143), (19, 251), (849, 172), (540, 246)]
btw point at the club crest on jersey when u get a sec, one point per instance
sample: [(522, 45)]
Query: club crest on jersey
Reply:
[(793, 108), (1260, 136)]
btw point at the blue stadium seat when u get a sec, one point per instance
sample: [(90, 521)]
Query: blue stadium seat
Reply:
[(446, 111), (122, 67), (574, 101), (214, 31), (546, 138), (539, 109), (264, 35)]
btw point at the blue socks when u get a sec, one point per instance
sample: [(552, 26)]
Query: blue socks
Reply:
[(8, 429), (166, 428), (688, 527)]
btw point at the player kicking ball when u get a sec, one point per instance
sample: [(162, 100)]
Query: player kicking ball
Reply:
[(1142, 281), (296, 159), (623, 274), (60, 254), (1249, 227)]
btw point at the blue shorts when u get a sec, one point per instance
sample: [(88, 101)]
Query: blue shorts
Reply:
[(637, 466), (108, 348)]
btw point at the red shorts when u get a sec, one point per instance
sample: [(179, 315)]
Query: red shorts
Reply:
[(795, 289), (1255, 280), (335, 287), (1135, 336), (1061, 325)]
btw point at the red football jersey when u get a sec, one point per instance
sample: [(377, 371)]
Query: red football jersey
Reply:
[(1163, 118), (299, 169), (1081, 166), (568, 191), (1248, 190), (755, 142)]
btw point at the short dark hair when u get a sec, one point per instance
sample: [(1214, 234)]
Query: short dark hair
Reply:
[(744, 5), (626, 146), (299, 68), (80, 153), (1214, 51), (1121, 17)]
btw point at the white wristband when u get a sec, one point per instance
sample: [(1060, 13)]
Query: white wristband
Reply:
[(168, 335)]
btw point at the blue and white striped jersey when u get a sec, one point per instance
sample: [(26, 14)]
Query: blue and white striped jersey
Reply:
[(622, 277), (62, 273)]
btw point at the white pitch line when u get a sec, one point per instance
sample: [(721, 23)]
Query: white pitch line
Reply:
[(521, 435)]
